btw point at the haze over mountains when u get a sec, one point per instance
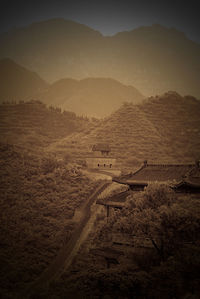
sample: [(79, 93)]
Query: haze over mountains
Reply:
[(97, 97), (153, 59), (92, 96), (18, 83)]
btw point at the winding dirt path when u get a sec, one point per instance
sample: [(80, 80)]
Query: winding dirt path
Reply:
[(67, 253)]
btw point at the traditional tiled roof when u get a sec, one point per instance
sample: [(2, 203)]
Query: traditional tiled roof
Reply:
[(148, 173), (102, 147)]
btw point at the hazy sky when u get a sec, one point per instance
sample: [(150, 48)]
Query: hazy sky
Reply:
[(108, 17)]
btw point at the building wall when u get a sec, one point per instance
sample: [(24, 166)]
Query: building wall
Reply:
[(97, 154), (100, 162)]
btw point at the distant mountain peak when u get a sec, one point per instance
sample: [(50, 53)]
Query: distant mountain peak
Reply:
[(153, 58), (90, 96), (64, 25)]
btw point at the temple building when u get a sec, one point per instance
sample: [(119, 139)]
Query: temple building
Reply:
[(101, 157), (180, 177)]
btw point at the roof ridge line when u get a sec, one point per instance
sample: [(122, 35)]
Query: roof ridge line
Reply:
[(188, 173), (141, 167), (171, 164)]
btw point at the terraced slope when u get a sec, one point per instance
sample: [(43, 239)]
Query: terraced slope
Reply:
[(131, 135), (33, 124), (177, 119), (154, 58), (164, 129)]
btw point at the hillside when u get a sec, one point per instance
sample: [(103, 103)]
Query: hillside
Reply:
[(97, 97), (40, 192), (32, 124), (92, 96), (153, 59), (18, 83), (131, 135), (39, 196), (163, 128), (177, 119)]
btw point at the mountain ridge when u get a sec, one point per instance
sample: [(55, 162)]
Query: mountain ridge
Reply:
[(163, 129), (154, 59), (90, 96), (17, 82)]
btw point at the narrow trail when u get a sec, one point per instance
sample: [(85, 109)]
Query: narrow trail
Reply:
[(67, 253)]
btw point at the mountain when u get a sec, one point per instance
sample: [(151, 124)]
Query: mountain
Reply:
[(18, 83), (163, 128), (33, 125), (131, 136), (53, 48), (154, 59), (177, 119), (92, 96)]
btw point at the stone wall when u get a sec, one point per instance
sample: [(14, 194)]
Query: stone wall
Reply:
[(100, 162)]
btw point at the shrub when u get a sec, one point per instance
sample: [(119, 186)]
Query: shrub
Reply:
[(49, 164)]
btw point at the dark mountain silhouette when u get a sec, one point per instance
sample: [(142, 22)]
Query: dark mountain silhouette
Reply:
[(154, 59), (92, 96), (18, 83)]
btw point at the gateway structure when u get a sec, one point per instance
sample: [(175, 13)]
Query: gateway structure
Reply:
[(100, 157)]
